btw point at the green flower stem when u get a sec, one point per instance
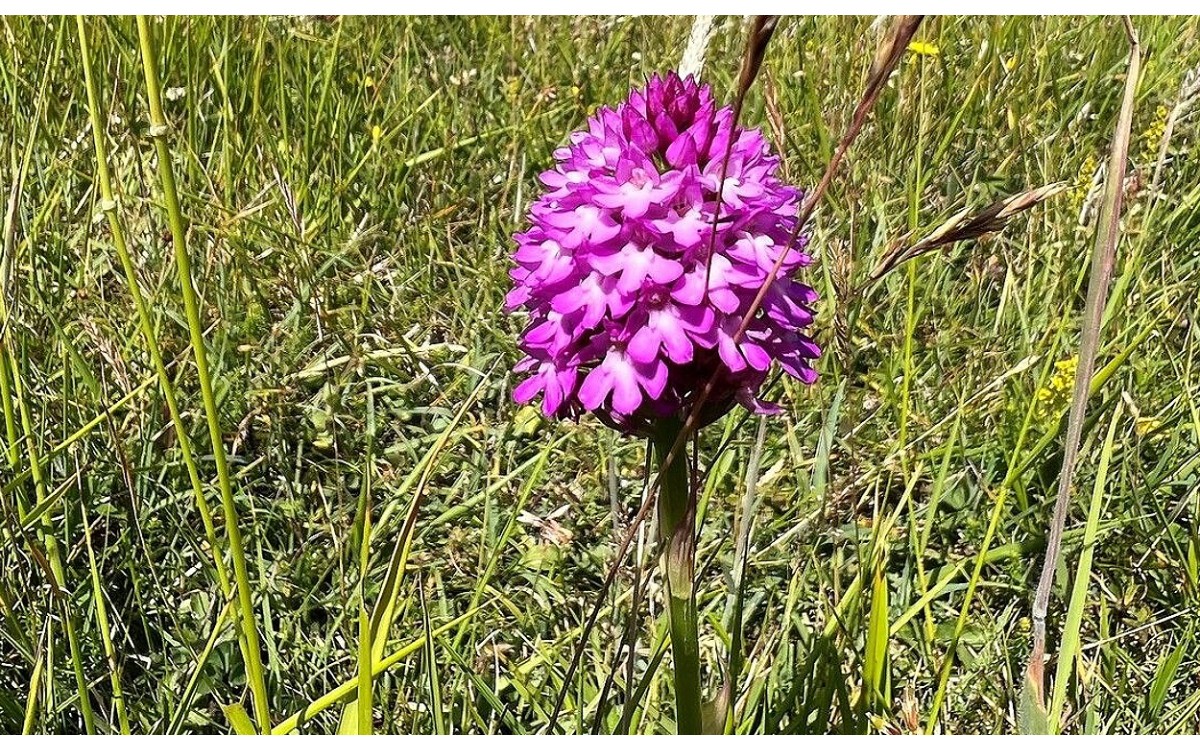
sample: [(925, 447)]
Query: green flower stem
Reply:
[(108, 204), (676, 528), (246, 619)]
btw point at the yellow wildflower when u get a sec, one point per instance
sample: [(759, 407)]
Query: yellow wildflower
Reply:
[(1051, 398), (1083, 181), (1145, 425), (1152, 135), (924, 49), (376, 133)]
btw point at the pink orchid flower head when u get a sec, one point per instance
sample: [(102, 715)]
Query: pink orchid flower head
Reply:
[(634, 302)]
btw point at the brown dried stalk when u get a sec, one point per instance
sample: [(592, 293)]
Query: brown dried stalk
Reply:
[(761, 30), (775, 119), (1103, 255), (841, 269), (967, 226)]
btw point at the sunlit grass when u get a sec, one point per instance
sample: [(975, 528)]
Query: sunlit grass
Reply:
[(348, 188)]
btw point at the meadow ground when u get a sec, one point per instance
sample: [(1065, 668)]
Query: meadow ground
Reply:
[(350, 187)]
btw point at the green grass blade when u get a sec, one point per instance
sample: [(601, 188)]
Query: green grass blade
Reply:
[(101, 609), (431, 669), (875, 661), (1069, 645), (1164, 677), (1103, 255)]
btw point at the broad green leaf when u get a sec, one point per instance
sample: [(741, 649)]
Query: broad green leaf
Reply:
[(1031, 708), (877, 636), (1164, 677), (348, 725)]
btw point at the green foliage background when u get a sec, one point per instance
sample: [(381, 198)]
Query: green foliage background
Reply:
[(351, 185)]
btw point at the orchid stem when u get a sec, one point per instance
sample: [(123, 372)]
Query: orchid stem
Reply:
[(676, 524)]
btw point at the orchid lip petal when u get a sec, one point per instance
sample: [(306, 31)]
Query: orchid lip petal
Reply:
[(643, 347)]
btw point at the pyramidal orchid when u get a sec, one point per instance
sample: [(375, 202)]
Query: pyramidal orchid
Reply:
[(633, 302), (639, 271)]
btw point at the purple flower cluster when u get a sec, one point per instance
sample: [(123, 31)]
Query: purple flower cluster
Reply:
[(630, 316)]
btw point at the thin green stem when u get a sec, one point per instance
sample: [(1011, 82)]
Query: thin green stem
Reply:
[(365, 659), (159, 131), (981, 559), (676, 522), (114, 671), (108, 206)]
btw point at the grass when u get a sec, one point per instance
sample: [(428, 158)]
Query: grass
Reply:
[(345, 193)]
